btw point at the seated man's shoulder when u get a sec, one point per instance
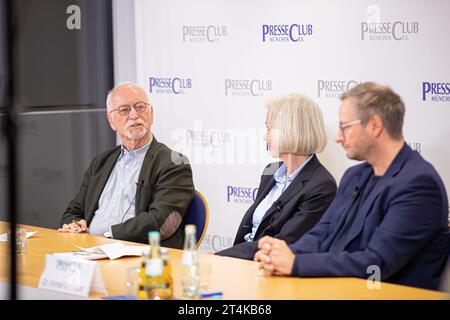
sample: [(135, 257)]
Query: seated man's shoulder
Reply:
[(102, 157), (418, 169), (166, 154), (356, 170)]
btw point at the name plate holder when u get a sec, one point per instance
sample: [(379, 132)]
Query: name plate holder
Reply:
[(74, 276)]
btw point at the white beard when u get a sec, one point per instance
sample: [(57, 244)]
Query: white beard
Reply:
[(136, 133)]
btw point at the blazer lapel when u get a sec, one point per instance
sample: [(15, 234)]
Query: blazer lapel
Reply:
[(393, 169), (265, 191), (145, 168), (364, 209), (247, 220), (294, 188), (361, 178), (265, 187)]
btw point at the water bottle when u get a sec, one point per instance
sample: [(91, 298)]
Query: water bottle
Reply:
[(142, 291), (167, 274), (190, 277), (154, 269)]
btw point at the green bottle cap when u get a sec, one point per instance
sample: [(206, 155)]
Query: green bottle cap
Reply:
[(153, 234)]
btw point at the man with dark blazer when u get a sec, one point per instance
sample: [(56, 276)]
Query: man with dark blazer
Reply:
[(389, 219), (295, 192), (134, 188)]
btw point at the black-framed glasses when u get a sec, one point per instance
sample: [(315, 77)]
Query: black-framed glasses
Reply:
[(125, 109)]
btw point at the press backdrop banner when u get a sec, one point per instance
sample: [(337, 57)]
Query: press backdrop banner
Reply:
[(210, 66)]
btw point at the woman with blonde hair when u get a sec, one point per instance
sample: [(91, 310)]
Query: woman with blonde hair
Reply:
[(295, 192)]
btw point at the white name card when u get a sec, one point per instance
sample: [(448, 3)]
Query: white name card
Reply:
[(69, 275)]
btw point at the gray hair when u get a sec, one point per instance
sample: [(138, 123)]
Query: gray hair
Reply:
[(111, 92), (299, 124), (371, 98)]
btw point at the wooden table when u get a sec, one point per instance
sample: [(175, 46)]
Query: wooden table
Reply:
[(236, 278)]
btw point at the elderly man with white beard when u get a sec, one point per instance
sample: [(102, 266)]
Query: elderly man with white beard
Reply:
[(134, 188)]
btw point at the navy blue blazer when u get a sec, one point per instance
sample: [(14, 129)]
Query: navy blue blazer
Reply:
[(403, 231)]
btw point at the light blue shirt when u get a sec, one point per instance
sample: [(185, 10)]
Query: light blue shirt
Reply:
[(117, 202), (281, 184)]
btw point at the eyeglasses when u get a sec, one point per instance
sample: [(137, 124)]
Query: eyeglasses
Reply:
[(343, 126), (125, 109)]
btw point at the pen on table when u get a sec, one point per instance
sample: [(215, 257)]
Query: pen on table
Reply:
[(210, 294)]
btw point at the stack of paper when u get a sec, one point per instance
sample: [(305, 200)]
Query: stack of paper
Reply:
[(112, 251)]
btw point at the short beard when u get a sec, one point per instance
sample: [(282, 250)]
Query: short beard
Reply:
[(136, 136), (363, 151)]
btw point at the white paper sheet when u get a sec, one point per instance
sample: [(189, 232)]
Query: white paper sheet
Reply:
[(4, 236), (112, 251)]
